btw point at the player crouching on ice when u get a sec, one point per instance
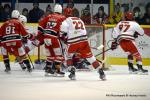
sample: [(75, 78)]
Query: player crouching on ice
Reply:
[(73, 33), (12, 32), (125, 34)]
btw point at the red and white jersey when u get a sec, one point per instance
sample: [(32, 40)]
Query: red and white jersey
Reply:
[(75, 30), (126, 30), (12, 30), (0, 37), (51, 24)]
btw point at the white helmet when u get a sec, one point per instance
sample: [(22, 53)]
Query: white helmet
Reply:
[(15, 14), (58, 8), (23, 19)]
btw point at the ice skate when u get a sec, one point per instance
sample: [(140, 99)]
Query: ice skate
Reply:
[(101, 74), (59, 74), (132, 70), (49, 71), (72, 75), (7, 70), (141, 70), (23, 67), (29, 69)]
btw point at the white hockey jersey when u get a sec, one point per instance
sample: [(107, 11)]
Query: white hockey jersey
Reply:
[(126, 30), (75, 29)]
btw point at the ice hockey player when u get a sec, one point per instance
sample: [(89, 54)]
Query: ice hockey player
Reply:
[(125, 34), (74, 34), (27, 41), (12, 32), (50, 26)]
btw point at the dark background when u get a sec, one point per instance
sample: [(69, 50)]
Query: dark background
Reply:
[(57, 1)]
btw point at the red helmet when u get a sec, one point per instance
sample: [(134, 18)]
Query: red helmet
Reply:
[(68, 12), (129, 16)]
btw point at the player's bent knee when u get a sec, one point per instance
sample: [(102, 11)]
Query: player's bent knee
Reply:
[(138, 57), (92, 60), (20, 58)]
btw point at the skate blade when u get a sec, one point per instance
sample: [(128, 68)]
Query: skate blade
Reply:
[(29, 71), (49, 75), (23, 69), (72, 78), (8, 72), (130, 72), (58, 75), (141, 73), (103, 78)]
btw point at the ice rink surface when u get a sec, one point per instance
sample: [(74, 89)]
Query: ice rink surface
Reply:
[(119, 85)]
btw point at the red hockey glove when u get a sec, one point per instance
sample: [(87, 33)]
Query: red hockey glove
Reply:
[(114, 45), (31, 37)]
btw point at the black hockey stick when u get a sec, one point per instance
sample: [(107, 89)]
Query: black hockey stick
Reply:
[(103, 52), (30, 60), (29, 57)]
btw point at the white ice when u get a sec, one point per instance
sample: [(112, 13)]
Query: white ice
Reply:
[(21, 85)]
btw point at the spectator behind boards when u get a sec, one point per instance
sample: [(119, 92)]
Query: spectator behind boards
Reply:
[(75, 10), (86, 15), (36, 13), (6, 12), (25, 13), (137, 14), (146, 18), (1, 11), (100, 16), (117, 15)]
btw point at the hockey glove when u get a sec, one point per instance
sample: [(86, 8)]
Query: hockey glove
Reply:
[(63, 36), (135, 35), (24, 40), (114, 45), (31, 37)]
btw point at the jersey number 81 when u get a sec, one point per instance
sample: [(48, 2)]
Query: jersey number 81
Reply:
[(10, 30)]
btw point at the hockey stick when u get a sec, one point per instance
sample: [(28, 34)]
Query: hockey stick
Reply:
[(30, 60), (103, 52), (29, 57), (98, 48), (109, 48)]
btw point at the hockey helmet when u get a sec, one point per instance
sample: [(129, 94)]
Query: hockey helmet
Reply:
[(15, 14), (58, 8), (23, 19), (129, 16), (68, 12)]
